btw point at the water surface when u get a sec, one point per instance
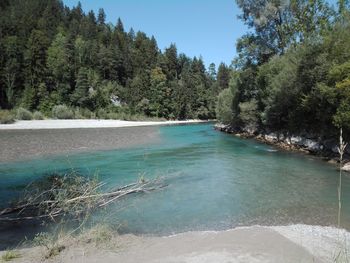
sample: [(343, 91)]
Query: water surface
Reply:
[(215, 181)]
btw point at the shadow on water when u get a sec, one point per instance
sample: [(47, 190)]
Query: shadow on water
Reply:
[(15, 234)]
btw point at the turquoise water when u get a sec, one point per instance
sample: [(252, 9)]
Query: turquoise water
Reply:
[(215, 181)]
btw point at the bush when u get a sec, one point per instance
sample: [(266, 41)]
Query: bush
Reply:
[(38, 115), (6, 117), (82, 113), (102, 114), (24, 114), (62, 112), (87, 114), (113, 116)]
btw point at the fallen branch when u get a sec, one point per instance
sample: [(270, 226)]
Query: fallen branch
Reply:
[(70, 196)]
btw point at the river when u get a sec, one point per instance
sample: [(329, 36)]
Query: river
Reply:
[(215, 181)]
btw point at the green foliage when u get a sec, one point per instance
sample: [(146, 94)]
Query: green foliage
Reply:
[(6, 117), (249, 114), (292, 73), (23, 114), (67, 57), (80, 96), (224, 106), (62, 112), (342, 116), (277, 25), (223, 76), (83, 113), (37, 115), (10, 73), (28, 98)]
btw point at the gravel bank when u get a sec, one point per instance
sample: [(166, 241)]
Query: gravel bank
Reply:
[(16, 145)]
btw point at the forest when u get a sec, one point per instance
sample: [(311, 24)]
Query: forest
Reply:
[(292, 71), (63, 63)]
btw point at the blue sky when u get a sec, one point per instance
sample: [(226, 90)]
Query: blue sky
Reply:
[(208, 28)]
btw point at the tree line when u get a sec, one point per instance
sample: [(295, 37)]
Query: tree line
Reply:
[(292, 71), (54, 55)]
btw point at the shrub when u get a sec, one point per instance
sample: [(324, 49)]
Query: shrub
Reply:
[(78, 114), (82, 113), (102, 114), (113, 116), (6, 117), (62, 112), (38, 115), (24, 114)]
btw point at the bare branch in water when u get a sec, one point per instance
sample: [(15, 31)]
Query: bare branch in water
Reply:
[(71, 196)]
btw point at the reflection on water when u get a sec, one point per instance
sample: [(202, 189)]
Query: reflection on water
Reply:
[(216, 181)]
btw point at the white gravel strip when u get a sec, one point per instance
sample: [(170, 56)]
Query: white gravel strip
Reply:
[(71, 124), (328, 243)]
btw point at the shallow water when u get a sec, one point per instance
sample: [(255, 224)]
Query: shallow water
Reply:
[(215, 181)]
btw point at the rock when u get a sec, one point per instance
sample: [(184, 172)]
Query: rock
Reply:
[(346, 167), (281, 137), (219, 126), (272, 137), (332, 161), (312, 145), (296, 140)]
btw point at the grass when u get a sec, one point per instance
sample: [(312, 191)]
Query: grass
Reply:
[(10, 255), (99, 235), (55, 242), (47, 240)]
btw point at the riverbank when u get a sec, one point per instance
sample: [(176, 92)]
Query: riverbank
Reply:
[(325, 149), (80, 124), (24, 144), (295, 243)]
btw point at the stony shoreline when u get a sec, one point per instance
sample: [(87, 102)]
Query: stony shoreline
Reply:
[(325, 149)]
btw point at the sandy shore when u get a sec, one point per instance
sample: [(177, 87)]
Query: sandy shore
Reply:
[(75, 124), (296, 243)]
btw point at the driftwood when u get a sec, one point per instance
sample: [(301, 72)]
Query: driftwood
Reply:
[(70, 195)]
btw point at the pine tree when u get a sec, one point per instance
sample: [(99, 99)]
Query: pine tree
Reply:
[(80, 96)]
